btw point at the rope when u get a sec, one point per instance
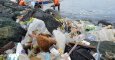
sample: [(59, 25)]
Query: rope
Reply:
[(73, 48)]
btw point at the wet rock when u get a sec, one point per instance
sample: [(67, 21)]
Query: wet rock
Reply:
[(104, 22), (105, 46), (10, 31), (110, 56), (49, 20), (51, 23), (10, 9), (53, 12)]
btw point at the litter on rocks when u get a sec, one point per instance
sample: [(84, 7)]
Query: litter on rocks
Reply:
[(45, 35)]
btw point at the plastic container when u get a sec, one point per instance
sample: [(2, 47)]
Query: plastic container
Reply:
[(54, 51)]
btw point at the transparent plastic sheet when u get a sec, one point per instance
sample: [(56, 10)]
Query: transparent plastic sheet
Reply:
[(68, 39), (77, 38), (104, 34), (60, 39), (110, 34)]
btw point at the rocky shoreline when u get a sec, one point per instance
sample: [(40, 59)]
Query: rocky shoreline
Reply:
[(10, 30)]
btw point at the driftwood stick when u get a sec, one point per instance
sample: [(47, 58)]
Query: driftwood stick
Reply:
[(10, 45)]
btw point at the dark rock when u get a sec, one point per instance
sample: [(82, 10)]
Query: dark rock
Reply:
[(54, 13), (105, 46), (104, 22), (80, 52), (27, 15), (10, 9), (10, 31), (9, 45), (49, 20)]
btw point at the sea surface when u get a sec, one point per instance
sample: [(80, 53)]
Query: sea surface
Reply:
[(90, 9)]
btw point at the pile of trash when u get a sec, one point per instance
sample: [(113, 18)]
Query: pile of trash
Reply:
[(35, 34)]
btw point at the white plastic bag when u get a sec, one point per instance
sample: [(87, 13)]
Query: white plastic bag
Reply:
[(19, 48), (37, 25)]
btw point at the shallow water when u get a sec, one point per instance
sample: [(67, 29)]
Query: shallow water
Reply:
[(93, 9)]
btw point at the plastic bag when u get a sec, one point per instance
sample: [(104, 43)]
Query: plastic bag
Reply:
[(38, 26), (60, 39), (12, 57), (19, 49)]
